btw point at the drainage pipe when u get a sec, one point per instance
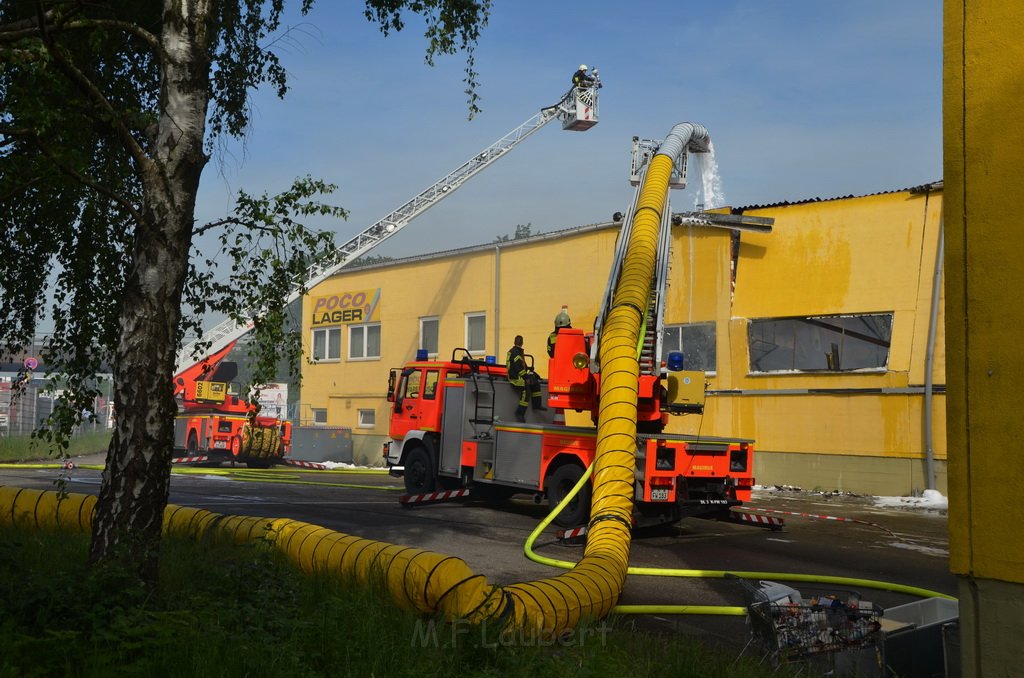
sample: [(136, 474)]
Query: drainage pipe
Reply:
[(497, 301), (929, 362)]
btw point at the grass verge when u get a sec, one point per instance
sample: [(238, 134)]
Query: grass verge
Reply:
[(223, 610), (25, 448)]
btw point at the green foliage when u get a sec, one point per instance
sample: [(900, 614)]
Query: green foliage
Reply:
[(79, 110), (268, 252), (223, 610), (371, 259), (452, 25), (522, 231)]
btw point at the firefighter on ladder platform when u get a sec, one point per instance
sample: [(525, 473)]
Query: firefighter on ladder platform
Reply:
[(561, 320), (523, 379), (581, 78)]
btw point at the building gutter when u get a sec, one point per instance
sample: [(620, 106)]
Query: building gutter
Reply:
[(497, 300), (929, 362)]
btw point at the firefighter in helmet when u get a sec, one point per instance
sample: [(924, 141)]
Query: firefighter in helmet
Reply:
[(523, 379), (561, 320), (581, 78)]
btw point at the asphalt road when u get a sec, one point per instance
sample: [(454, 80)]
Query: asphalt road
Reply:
[(908, 547)]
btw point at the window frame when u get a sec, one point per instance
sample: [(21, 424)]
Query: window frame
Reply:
[(713, 345), (327, 331), (317, 411), (815, 341), (472, 316), (437, 334), (361, 423), (365, 327)]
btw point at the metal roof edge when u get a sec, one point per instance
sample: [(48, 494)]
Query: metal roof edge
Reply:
[(921, 188), (540, 237)]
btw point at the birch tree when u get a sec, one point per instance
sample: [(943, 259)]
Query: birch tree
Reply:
[(108, 114)]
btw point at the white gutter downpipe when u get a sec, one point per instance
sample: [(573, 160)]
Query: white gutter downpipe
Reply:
[(929, 361), (497, 303)]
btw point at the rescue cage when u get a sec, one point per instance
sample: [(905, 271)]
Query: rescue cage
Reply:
[(794, 626)]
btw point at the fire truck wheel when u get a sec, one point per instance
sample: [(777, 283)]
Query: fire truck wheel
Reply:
[(558, 486), (419, 472)]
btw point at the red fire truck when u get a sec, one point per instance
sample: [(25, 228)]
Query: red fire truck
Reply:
[(453, 427), (214, 424)]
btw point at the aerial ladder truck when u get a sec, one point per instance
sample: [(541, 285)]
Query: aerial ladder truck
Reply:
[(453, 432), (203, 395)]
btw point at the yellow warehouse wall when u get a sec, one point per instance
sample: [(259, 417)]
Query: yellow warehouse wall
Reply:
[(885, 247), (520, 286), (983, 153), (983, 156), (449, 287)]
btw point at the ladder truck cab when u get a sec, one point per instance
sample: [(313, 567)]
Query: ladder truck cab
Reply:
[(214, 424), (453, 426)]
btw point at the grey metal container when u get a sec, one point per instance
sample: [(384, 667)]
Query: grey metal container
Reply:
[(322, 443), (914, 643)]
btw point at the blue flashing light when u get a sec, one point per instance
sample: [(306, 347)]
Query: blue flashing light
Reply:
[(490, 360), (421, 354), (675, 361)]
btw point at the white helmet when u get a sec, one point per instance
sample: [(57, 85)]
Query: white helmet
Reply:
[(583, 67)]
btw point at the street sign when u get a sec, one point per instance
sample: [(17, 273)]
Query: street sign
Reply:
[(31, 363)]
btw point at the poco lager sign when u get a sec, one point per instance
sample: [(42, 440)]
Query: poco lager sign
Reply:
[(346, 308)]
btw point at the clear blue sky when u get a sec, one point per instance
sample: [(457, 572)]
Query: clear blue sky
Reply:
[(802, 100)]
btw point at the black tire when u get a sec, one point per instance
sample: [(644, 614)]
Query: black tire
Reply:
[(558, 485), (419, 472)]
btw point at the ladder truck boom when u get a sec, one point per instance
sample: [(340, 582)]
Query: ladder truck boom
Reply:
[(578, 111)]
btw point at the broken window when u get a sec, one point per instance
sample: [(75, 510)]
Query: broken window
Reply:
[(820, 343), (695, 341)]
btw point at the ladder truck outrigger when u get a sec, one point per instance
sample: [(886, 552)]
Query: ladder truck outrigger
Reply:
[(214, 423), (453, 431)]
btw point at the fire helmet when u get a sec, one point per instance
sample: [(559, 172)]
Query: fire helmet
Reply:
[(562, 319)]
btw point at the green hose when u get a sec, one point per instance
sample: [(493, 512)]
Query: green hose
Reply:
[(706, 574)]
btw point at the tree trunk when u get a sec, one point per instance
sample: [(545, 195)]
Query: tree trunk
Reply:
[(129, 514)]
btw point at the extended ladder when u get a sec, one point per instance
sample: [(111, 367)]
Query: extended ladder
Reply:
[(578, 111)]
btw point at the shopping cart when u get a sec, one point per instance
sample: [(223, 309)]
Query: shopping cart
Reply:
[(834, 631)]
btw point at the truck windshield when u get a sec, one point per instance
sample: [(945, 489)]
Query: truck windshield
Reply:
[(412, 384)]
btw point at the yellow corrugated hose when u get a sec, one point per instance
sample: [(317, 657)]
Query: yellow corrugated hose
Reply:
[(432, 583)]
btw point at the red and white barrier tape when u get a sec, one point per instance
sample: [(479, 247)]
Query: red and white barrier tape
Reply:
[(433, 496), (820, 517), (573, 533), (763, 521), (188, 460), (304, 464)]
